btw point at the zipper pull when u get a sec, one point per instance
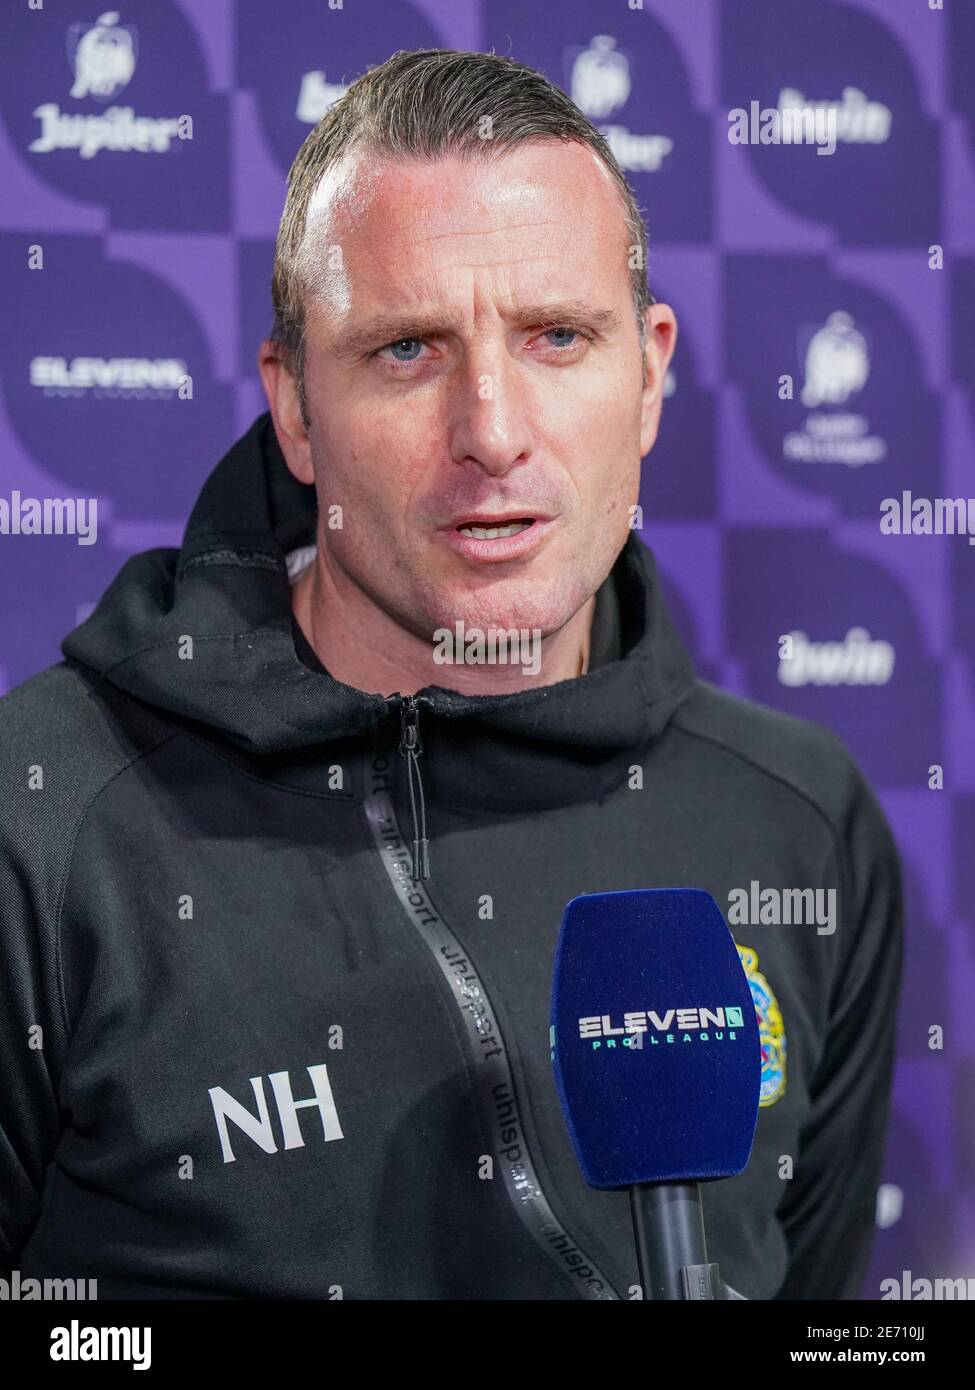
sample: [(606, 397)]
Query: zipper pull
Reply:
[(409, 723), (410, 747)]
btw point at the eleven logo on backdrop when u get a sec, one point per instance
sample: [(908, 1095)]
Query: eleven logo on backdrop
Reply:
[(109, 399)]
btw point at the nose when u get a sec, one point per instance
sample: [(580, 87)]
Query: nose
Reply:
[(488, 413)]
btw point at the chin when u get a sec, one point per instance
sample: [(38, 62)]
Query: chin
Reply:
[(542, 604)]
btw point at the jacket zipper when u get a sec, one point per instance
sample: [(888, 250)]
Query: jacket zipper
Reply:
[(410, 747), (482, 1039)]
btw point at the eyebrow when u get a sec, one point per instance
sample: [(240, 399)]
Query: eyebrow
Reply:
[(392, 328)]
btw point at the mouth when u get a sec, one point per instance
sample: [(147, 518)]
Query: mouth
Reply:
[(493, 529), (486, 537)]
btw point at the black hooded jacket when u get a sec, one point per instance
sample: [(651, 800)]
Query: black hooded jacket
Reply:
[(243, 1054)]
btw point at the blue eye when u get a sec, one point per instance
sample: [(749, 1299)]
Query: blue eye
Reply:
[(406, 341), (570, 331)]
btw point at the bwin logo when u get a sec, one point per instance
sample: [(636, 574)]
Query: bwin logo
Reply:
[(600, 79), (103, 55), (316, 96), (837, 364), (258, 1127)]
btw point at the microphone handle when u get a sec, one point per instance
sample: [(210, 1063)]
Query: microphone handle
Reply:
[(668, 1224)]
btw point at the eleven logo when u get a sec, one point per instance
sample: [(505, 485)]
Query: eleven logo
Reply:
[(710, 1025), (670, 1022)]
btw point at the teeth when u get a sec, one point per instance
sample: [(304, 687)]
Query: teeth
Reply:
[(493, 533)]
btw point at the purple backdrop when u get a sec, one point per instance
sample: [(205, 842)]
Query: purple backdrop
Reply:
[(134, 257)]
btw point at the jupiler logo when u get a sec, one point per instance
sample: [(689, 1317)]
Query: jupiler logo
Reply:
[(103, 58), (600, 85)]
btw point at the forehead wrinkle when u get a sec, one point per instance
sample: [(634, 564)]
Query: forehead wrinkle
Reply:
[(487, 231)]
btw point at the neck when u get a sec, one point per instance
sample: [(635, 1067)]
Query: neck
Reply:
[(363, 646)]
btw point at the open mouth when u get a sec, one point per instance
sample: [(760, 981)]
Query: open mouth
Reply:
[(481, 531)]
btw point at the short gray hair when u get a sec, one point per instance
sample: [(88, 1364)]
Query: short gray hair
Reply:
[(430, 104)]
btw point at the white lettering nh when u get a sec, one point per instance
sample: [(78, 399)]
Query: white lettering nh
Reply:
[(258, 1127)]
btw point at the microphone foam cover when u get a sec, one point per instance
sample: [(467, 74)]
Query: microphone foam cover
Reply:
[(655, 1038)]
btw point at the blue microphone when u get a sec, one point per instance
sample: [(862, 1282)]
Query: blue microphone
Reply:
[(658, 1066)]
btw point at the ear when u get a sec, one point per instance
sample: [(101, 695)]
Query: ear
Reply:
[(281, 389), (661, 338)]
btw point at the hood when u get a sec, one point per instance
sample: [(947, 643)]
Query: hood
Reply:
[(226, 591)]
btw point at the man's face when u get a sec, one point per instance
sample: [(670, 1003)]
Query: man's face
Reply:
[(473, 363)]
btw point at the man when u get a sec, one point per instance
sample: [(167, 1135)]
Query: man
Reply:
[(284, 866)]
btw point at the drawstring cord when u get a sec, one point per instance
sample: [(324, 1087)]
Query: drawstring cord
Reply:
[(410, 748)]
